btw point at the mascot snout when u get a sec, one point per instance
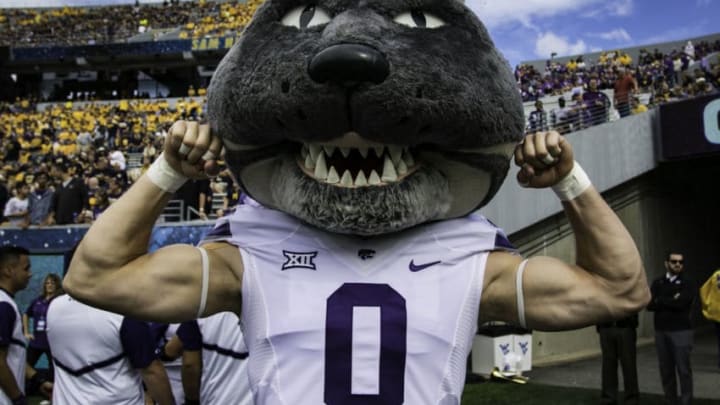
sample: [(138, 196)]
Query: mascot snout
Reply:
[(349, 64)]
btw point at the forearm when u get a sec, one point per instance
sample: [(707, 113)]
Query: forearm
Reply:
[(680, 301), (25, 324), (191, 374), (8, 383), (17, 215), (604, 247), (653, 304), (157, 383), (671, 305), (201, 202), (120, 235)]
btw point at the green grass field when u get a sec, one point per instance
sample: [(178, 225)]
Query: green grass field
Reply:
[(505, 393)]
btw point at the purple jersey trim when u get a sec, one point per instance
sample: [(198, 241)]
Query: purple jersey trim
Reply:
[(221, 231), (502, 242), (137, 342), (8, 317), (189, 334), (89, 368)]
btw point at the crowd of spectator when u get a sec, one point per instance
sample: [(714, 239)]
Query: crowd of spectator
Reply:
[(229, 19), (650, 71), (681, 74), (68, 163), (107, 24)]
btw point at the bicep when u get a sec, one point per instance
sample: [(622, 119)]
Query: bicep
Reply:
[(559, 295), (166, 285), (555, 295)]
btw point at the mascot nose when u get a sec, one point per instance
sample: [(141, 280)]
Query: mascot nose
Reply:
[(349, 64)]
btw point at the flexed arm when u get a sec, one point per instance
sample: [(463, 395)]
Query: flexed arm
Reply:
[(112, 268), (607, 281)]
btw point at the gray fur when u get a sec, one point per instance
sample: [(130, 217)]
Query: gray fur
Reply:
[(448, 89), (369, 211)]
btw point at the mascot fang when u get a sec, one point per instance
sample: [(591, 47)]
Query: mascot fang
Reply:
[(367, 117)]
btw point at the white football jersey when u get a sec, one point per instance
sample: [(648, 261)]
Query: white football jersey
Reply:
[(91, 362), (341, 320), (224, 358), (16, 344)]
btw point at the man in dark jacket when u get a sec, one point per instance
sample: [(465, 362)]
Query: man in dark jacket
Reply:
[(71, 196), (4, 196), (597, 103), (673, 296)]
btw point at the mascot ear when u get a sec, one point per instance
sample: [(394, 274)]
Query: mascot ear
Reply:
[(418, 97)]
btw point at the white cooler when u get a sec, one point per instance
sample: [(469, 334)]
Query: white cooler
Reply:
[(511, 353)]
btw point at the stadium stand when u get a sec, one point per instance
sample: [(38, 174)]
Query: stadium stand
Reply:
[(112, 144), (108, 24), (659, 78), (32, 136), (111, 119)]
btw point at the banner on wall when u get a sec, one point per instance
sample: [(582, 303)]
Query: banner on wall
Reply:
[(60, 239), (690, 128), (214, 43), (107, 51)]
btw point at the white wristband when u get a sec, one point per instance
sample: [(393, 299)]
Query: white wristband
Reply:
[(574, 184), (164, 176)]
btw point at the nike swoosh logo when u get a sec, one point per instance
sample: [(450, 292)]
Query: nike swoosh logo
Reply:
[(419, 267)]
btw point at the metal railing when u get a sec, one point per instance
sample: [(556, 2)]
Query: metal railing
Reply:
[(134, 160), (173, 211), (576, 115)]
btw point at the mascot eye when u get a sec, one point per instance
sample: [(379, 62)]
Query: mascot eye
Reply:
[(305, 17), (419, 19)]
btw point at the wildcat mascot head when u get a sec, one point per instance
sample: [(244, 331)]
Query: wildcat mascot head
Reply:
[(367, 116)]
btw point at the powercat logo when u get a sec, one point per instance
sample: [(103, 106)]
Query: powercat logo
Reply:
[(712, 122)]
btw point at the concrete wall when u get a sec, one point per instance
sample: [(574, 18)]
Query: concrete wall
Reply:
[(611, 154), (668, 206), (673, 206)]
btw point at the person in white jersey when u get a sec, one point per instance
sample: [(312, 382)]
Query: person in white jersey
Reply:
[(311, 301), (214, 361), (102, 357), (14, 276)]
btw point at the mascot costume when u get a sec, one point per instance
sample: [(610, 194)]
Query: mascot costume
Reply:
[(370, 132)]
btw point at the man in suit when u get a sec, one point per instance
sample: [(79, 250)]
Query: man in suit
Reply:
[(673, 295)]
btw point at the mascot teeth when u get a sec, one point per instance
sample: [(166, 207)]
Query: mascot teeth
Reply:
[(389, 174), (352, 167)]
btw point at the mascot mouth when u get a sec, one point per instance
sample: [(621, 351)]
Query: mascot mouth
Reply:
[(353, 185), (355, 167)]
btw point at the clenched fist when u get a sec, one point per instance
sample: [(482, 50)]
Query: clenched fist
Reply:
[(191, 149), (544, 158)]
